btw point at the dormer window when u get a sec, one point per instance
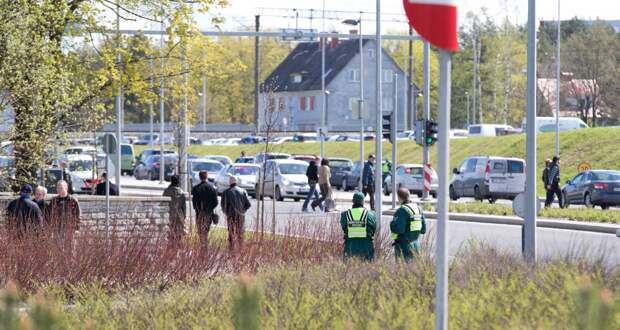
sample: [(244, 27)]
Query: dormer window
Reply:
[(296, 78)]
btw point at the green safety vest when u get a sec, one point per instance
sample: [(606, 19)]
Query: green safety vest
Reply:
[(386, 167), (415, 220), (356, 223)]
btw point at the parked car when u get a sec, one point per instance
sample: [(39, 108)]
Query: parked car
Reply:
[(339, 168), (151, 152), (194, 140), (593, 188), (411, 177), (305, 137), (245, 160), (150, 167), (282, 139), (343, 138), (128, 158), (547, 124), (225, 160), (212, 166), (80, 168), (489, 130), (406, 135), (246, 174), (305, 158), (284, 178), (261, 157), (488, 178), (351, 179), (458, 133), (154, 139), (252, 139), (81, 150)]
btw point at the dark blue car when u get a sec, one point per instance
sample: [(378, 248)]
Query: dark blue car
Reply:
[(593, 188)]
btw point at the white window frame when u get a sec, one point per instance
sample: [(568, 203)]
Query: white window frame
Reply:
[(371, 53), (354, 75), (388, 103), (388, 76)]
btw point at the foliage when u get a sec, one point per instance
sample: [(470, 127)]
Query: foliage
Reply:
[(488, 289)]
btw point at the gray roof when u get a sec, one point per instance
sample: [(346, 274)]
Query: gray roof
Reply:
[(305, 59)]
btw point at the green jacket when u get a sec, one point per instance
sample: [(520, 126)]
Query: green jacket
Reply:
[(400, 225), (359, 247)]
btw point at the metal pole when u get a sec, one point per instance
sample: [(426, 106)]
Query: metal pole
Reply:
[(323, 95), (467, 94), (256, 74), (410, 98), (443, 152), (427, 103), (204, 104), (379, 120), (475, 75), (361, 103), (531, 200), (395, 141), (119, 137), (151, 106), (183, 179), (107, 192), (558, 78), (161, 106)]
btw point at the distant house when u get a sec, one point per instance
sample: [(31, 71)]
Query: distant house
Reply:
[(575, 95), (292, 92)]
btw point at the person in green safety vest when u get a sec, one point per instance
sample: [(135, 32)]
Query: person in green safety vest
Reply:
[(406, 227), (386, 168), (358, 225)]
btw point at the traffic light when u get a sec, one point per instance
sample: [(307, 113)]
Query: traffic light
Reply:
[(419, 132), (430, 132), (387, 127)]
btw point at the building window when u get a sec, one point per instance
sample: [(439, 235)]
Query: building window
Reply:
[(388, 76), (302, 103), (281, 104), (296, 78), (388, 104), (311, 103), (271, 104), (371, 53), (354, 75), (354, 107)]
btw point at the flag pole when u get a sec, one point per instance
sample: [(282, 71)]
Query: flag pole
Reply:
[(445, 62)]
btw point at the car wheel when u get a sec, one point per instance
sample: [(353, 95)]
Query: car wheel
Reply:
[(344, 185), (296, 199), (477, 193), (278, 194), (587, 200), (152, 176), (135, 175), (453, 195), (565, 201), (386, 192), (492, 200)]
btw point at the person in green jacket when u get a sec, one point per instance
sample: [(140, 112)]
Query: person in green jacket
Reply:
[(358, 225), (406, 227)]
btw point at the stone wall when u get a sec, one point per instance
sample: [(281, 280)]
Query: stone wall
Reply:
[(138, 214)]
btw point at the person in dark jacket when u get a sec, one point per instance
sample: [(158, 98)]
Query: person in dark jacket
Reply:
[(100, 188), (545, 173), (407, 226), (553, 183), (178, 210), (39, 197), (235, 204), (312, 173), (204, 201), (368, 180), (64, 214), (358, 225), (24, 215)]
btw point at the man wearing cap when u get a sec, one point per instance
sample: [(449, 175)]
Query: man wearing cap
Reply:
[(235, 204), (358, 225), (368, 180), (23, 214), (406, 227)]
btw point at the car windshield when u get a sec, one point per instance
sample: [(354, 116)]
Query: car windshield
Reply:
[(272, 156), (475, 130), (81, 165), (605, 176), (244, 170), (293, 168), (339, 163), (206, 166), (126, 150)]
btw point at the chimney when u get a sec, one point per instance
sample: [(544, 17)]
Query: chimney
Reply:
[(334, 41)]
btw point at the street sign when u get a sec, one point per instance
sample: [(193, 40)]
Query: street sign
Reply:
[(297, 34), (584, 166), (109, 143), (518, 206)]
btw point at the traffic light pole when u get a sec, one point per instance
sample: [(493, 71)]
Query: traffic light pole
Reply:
[(394, 141), (427, 108)]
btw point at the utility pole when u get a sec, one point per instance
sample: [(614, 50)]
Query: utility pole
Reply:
[(379, 120), (323, 94), (183, 172), (531, 199), (467, 95), (410, 98), (119, 137), (256, 74), (427, 104), (161, 103), (475, 73), (204, 104), (394, 140), (558, 77), (151, 105)]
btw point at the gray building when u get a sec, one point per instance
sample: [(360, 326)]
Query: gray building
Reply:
[(290, 98)]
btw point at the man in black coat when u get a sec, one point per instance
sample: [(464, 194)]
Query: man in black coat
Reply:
[(24, 215), (312, 173), (204, 201), (235, 204), (100, 189)]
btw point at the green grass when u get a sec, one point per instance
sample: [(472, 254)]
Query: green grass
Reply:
[(598, 146), (488, 290), (580, 214)]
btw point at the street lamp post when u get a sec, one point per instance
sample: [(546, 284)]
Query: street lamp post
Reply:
[(361, 77), (467, 95)]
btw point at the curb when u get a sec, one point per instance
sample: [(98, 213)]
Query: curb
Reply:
[(141, 187), (541, 223)]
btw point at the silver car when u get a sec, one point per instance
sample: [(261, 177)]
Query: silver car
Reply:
[(284, 178), (411, 176), (246, 174), (213, 167)]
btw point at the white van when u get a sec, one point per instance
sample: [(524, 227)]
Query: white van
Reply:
[(547, 124), (488, 130), (489, 178)]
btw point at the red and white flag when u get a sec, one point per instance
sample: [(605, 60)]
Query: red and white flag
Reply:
[(435, 21)]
